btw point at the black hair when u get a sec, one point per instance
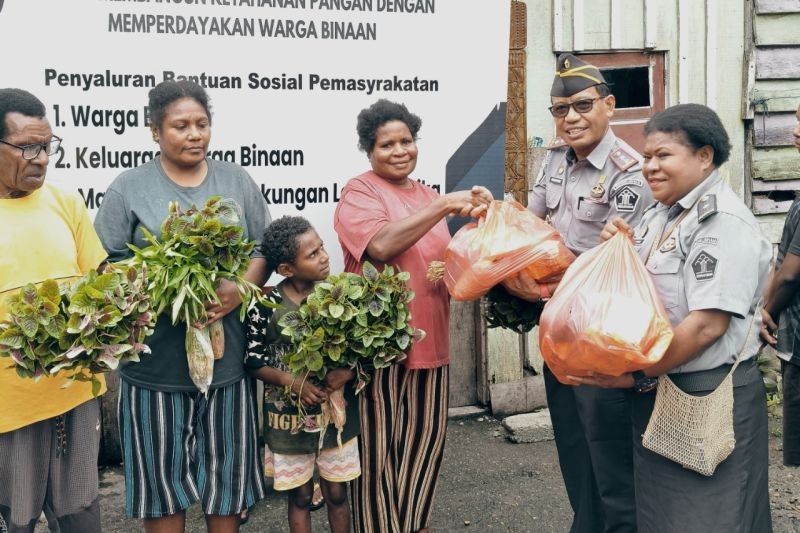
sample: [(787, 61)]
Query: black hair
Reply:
[(698, 126), (166, 92), (378, 114), (279, 244), (18, 101), (603, 90)]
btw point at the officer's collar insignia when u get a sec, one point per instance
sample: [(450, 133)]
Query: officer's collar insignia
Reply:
[(623, 159), (706, 207)]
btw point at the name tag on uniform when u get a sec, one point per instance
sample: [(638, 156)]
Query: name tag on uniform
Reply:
[(556, 180)]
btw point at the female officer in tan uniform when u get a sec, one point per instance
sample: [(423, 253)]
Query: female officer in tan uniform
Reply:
[(709, 261)]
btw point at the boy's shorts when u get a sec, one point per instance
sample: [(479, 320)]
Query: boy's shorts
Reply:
[(295, 470)]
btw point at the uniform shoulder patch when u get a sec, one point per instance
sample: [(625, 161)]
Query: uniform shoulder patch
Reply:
[(556, 143), (624, 159), (626, 199), (704, 266), (706, 207)]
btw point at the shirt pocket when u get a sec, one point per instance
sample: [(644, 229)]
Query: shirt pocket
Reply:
[(593, 212), (667, 275), (552, 194)]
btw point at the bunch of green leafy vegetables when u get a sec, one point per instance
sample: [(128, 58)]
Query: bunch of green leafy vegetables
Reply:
[(359, 322), (86, 327), (198, 248), (503, 309)]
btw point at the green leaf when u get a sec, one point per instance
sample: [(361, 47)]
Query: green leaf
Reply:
[(369, 271), (335, 310), (28, 325)]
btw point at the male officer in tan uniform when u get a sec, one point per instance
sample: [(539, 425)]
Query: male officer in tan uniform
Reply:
[(589, 176)]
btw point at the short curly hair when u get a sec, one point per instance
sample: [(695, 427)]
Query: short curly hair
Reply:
[(378, 114), (279, 244), (697, 125), (166, 92), (18, 101)]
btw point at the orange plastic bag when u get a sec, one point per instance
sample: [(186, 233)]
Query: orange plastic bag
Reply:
[(605, 316), (508, 240)]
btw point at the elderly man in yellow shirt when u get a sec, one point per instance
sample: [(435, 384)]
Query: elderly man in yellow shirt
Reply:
[(49, 435)]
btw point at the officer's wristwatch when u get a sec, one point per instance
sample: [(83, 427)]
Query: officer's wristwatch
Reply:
[(642, 383)]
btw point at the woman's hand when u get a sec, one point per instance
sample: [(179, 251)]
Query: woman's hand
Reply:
[(229, 300), (625, 381), (613, 227), (336, 379), (769, 329), (472, 203), (308, 393)]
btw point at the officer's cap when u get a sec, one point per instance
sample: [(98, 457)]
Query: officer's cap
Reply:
[(574, 75)]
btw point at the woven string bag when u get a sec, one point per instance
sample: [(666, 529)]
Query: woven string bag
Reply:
[(694, 431)]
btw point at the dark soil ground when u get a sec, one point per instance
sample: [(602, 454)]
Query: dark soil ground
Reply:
[(488, 484)]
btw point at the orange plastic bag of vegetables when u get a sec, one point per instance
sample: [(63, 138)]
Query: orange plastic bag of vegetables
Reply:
[(605, 316), (509, 239)]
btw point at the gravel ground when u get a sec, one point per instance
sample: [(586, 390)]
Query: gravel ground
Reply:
[(487, 485)]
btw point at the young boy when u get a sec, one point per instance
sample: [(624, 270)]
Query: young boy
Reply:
[(295, 251)]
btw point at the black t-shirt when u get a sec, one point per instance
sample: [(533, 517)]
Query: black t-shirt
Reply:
[(266, 346)]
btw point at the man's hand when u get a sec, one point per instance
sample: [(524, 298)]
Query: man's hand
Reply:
[(769, 329)]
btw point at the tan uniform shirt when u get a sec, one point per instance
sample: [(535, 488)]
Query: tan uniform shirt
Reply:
[(564, 190), (715, 258)]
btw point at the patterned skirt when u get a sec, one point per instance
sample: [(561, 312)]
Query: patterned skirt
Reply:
[(403, 426)]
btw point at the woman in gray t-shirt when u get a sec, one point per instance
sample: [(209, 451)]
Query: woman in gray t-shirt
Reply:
[(179, 446)]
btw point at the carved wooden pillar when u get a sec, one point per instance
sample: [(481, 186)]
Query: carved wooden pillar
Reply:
[(516, 131)]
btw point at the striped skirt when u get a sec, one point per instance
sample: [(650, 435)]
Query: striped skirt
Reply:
[(179, 448), (403, 426)]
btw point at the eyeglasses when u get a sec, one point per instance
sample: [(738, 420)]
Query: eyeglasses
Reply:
[(581, 106), (31, 151)]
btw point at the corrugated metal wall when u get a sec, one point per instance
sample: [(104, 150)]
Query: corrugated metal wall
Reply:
[(704, 43), (773, 94)]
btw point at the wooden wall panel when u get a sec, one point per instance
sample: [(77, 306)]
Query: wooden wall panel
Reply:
[(776, 164), (630, 14), (778, 29), (777, 6), (776, 96), (781, 62), (464, 347), (774, 130), (692, 60), (563, 34), (596, 24)]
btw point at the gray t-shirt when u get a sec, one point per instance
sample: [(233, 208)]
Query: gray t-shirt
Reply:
[(140, 197)]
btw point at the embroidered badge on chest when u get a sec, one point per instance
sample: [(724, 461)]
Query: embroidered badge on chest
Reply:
[(626, 200), (704, 266), (668, 245)]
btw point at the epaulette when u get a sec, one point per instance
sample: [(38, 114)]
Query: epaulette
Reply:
[(706, 207), (623, 159), (557, 142)]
